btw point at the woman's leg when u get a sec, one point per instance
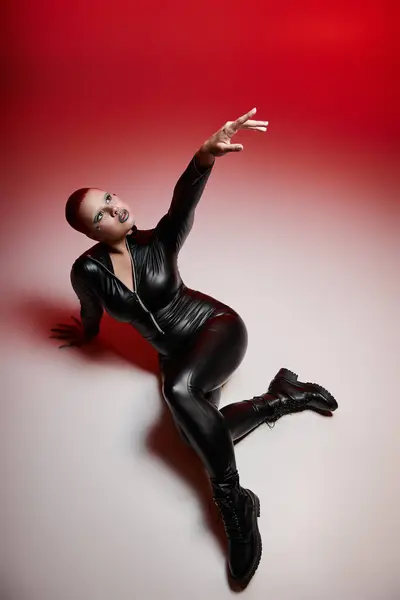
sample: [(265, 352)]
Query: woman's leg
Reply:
[(191, 387), (245, 416), (241, 417), (216, 354), (188, 382)]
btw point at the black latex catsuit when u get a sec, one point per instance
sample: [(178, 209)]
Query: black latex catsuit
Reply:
[(200, 341)]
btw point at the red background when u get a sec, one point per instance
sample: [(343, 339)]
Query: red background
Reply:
[(121, 94), (310, 67)]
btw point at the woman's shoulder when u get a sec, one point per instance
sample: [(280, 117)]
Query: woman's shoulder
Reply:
[(84, 263)]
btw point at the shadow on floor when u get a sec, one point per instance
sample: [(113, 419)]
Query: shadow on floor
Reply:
[(37, 315)]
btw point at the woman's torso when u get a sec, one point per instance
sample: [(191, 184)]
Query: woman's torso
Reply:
[(161, 307)]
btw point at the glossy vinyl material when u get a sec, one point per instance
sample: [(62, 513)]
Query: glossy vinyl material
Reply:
[(200, 340), (162, 308)]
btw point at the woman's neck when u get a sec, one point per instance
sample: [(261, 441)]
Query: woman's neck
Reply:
[(121, 246), (118, 247)]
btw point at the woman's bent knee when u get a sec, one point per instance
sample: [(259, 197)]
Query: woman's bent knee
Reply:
[(189, 405), (176, 391)]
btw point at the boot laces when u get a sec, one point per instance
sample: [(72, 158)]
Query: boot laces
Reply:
[(272, 419), (230, 518), (287, 406)]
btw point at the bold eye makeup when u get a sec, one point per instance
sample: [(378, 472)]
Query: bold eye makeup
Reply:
[(99, 215)]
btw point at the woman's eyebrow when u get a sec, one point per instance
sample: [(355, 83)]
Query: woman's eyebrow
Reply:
[(97, 212)]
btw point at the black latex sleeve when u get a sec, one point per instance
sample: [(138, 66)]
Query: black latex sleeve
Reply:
[(175, 226), (91, 309)]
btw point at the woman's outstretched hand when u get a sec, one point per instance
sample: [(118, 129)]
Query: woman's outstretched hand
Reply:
[(219, 143), (72, 334)]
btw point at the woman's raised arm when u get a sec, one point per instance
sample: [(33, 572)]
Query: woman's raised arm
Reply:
[(174, 227)]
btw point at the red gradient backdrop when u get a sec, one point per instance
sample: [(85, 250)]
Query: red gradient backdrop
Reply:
[(299, 233), (119, 91), (328, 66)]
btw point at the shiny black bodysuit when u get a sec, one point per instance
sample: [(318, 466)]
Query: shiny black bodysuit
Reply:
[(200, 341)]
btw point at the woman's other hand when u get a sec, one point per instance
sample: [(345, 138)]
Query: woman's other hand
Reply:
[(74, 335)]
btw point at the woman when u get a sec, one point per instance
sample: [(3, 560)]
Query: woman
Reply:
[(133, 275)]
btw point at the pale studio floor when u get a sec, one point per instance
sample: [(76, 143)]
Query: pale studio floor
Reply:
[(102, 500)]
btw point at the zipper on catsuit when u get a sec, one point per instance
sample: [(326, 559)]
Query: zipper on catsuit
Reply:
[(134, 284), (138, 297)]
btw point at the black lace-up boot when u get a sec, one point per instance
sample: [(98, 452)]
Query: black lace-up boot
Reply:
[(286, 395), (239, 508)]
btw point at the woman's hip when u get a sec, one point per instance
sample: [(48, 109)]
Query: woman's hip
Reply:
[(212, 353)]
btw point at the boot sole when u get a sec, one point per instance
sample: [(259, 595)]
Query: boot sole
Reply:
[(314, 403), (244, 580)]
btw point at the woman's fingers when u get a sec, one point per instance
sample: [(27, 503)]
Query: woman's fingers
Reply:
[(62, 336), (71, 333), (244, 122), (255, 124), (71, 329), (58, 332), (68, 326), (67, 345), (239, 122)]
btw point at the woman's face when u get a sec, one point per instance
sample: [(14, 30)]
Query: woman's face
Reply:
[(105, 217)]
